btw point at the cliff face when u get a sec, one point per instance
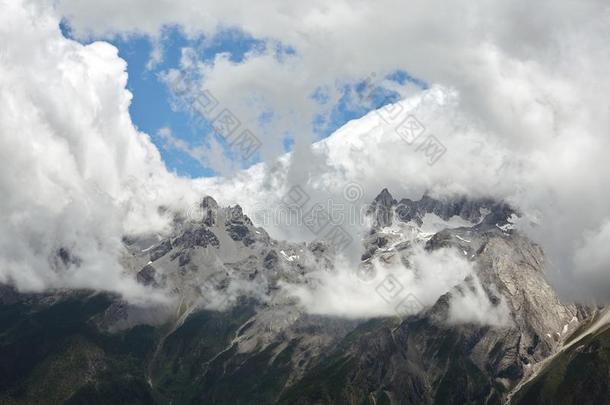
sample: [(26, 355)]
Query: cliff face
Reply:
[(233, 336)]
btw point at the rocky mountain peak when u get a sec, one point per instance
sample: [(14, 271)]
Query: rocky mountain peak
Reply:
[(382, 209), (209, 207), (209, 202), (384, 198), (483, 211), (479, 210), (235, 213)]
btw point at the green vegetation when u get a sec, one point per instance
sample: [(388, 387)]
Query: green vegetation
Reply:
[(54, 352), (580, 375)]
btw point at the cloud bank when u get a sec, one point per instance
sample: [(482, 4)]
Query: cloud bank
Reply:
[(518, 96), (77, 175)]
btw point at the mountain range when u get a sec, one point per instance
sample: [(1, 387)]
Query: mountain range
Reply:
[(235, 329)]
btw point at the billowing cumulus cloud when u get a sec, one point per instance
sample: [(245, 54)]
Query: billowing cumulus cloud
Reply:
[(76, 174)]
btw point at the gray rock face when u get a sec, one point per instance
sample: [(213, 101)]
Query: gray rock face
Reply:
[(382, 209), (146, 276), (428, 357), (160, 250), (196, 237), (271, 259), (469, 210)]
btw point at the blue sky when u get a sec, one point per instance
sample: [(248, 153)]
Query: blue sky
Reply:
[(151, 108)]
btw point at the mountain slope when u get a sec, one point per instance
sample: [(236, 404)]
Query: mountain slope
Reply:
[(577, 374)]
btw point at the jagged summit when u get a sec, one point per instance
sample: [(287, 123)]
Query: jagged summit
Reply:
[(209, 202), (487, 211), (384, 198), (381, 209)]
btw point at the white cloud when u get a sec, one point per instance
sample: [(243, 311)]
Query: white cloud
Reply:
[(76, 173), (520, 102), (592, 258), (470, 304), (209, 154), (342, 293)]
